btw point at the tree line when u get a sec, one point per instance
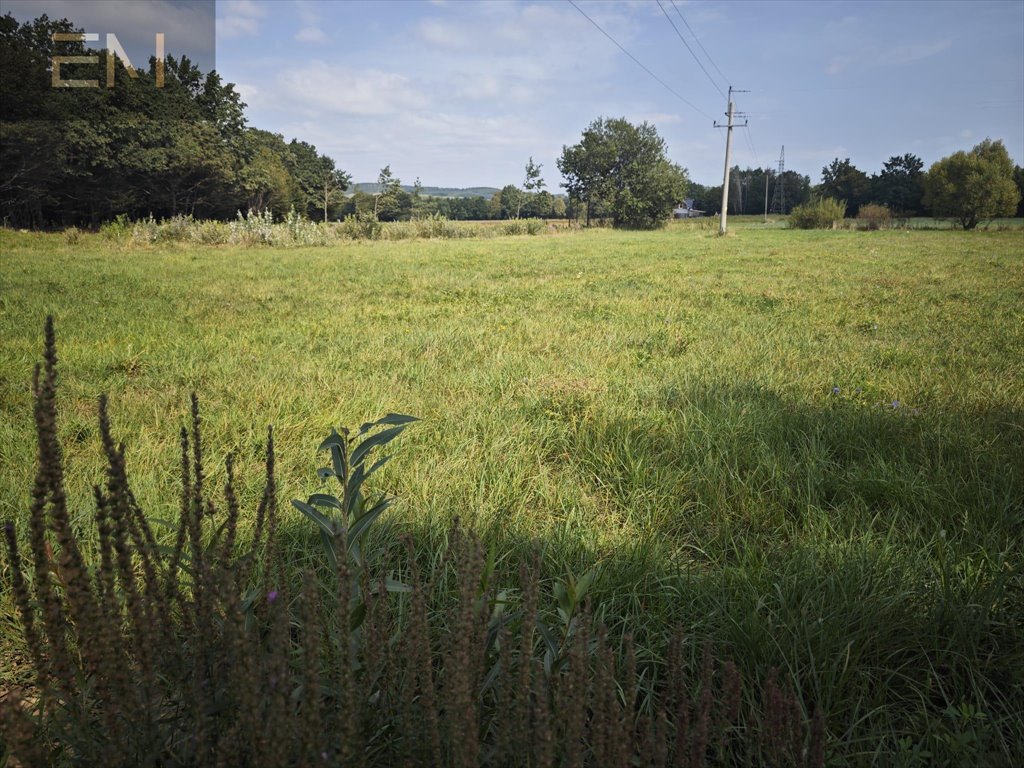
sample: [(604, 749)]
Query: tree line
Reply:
[(84, 155), (393, 202), (967, 186)]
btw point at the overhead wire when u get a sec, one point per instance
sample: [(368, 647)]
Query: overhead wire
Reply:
[(695, 58), (750, 143), (697, 40), (640, 64)]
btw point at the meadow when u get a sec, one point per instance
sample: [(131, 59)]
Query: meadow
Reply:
[(807, 446)]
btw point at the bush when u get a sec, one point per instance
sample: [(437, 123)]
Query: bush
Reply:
[(360, 226), (255, 228), (118, 229), (523, 226), (873, 217), (823, 213), (204, 652), (72, 236)]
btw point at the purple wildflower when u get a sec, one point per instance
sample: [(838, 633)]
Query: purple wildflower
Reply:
[(835, 390), (895, 404), (271, 595)]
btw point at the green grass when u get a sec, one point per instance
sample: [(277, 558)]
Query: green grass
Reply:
[(662, 403)]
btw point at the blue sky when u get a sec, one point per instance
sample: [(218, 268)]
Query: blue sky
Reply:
[(461, 93)]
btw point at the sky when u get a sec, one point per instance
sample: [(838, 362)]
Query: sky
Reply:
[(462, 93)]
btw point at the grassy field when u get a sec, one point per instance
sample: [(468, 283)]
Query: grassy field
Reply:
[(808, 446)]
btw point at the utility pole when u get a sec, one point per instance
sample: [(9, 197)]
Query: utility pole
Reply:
[(728, 159), (767, 173)]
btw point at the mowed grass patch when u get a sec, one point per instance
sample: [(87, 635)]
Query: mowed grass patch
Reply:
[(806, 445)]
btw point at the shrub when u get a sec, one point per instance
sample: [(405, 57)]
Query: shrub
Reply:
[(360, 226), (823, 213), (255, 228), (145, 231), (522, 227), (208, 232), (874, 217), (72, 236), (118, 229), (204, 652)]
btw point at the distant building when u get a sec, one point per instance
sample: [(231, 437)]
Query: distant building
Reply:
[(686, 211)]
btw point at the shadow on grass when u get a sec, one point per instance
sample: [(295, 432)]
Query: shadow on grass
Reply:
[(870, 552)]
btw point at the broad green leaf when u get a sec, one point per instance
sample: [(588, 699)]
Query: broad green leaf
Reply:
[(338, 462), (392, 419), (333, 439), (352, 487), (549, 639), (374, 441), (357, 616), (315, 515), (585, 583), (490, 677), (327, 540), (325, 500), (360, 526)]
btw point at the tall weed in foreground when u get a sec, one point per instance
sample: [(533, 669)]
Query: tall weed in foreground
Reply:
[(212, 651)]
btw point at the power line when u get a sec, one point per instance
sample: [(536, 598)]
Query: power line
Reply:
[(683, 39), (697, 40), (640, 64), (750, 143)]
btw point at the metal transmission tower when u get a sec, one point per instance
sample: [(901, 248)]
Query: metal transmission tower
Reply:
[(779, 193)]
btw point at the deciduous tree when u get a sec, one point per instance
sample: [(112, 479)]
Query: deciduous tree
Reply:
[(972, 186), (625, 167)]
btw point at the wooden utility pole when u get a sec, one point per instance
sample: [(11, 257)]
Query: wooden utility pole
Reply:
[(722, 228)]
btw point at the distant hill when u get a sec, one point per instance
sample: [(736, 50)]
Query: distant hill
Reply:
[(488, 192)]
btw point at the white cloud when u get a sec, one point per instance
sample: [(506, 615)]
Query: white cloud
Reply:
[(311, 35), (839, 64), (319, 89), (240, 18), (657, 119), (441, 35), (908, 54)]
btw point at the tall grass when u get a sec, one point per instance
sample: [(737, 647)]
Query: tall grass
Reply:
[(256, 228), (804, 445), (210, 653)]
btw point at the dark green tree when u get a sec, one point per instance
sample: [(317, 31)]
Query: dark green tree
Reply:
[(900, 185), (320, 186), (844, 181), (1018, 179), (510, 202), (83, 155)]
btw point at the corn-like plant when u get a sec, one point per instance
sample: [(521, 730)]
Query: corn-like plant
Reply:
[(350, 466)]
